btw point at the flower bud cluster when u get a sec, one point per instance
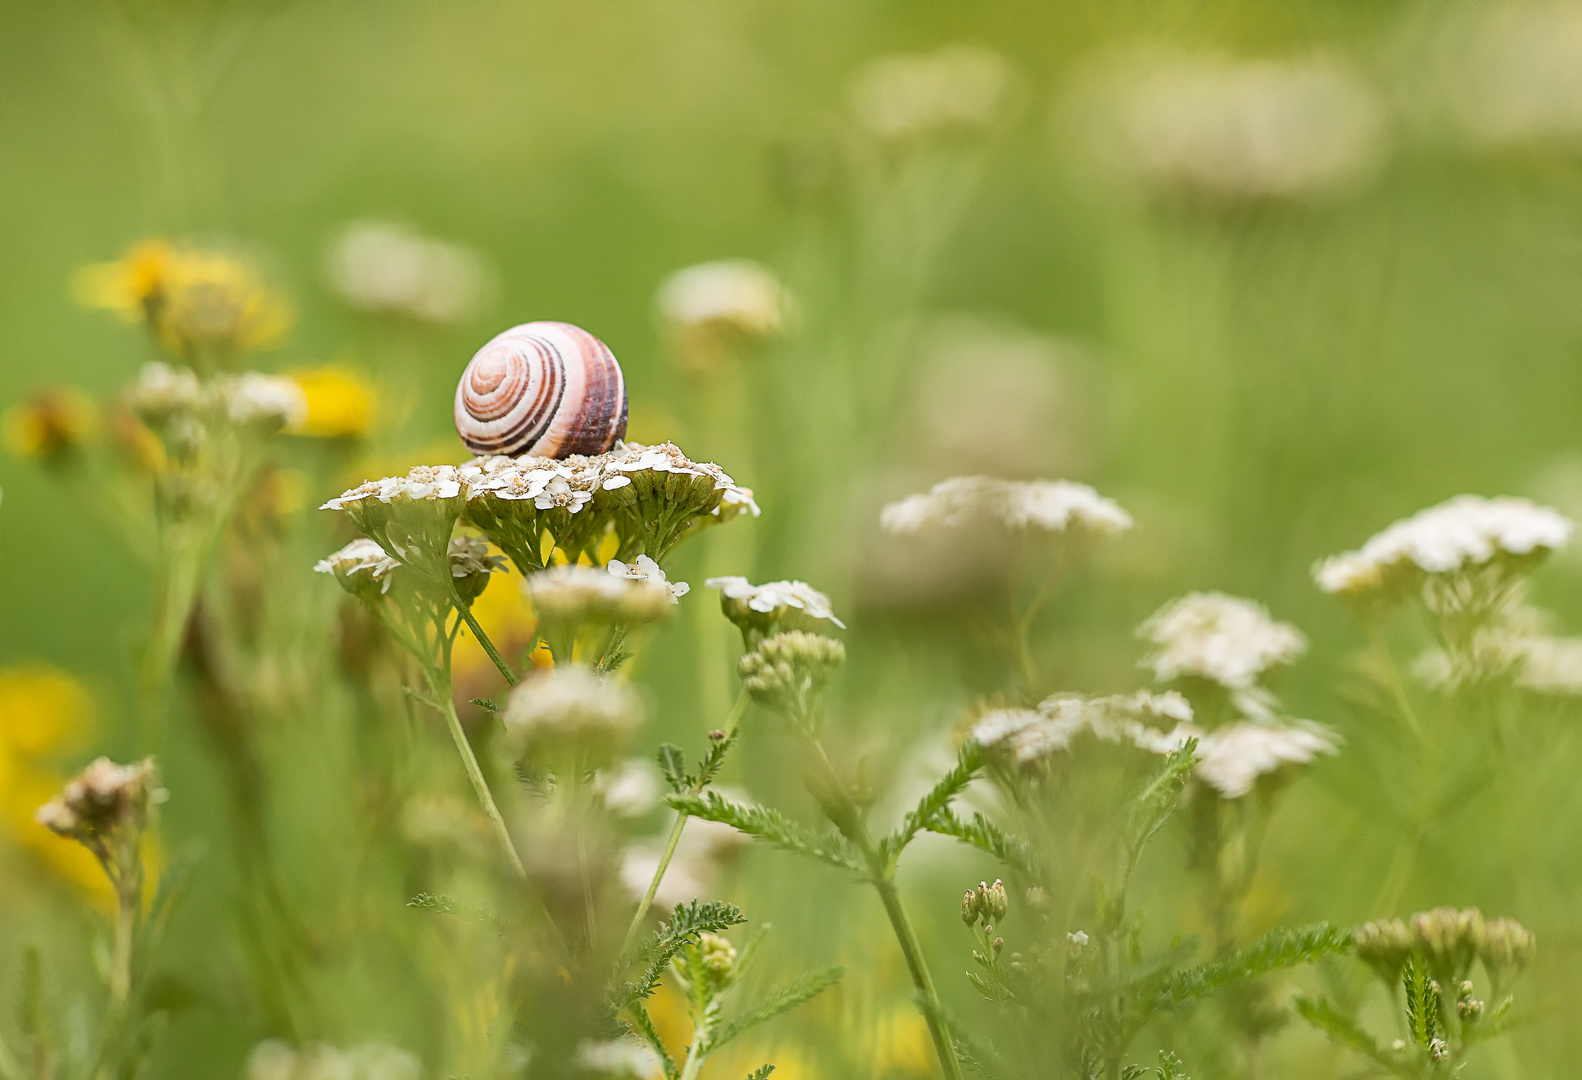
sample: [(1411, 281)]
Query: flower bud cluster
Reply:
[(716, 955), (986, 902), (163, 393), (787, 672), (362, 568), (1448, 940), (105, 806)]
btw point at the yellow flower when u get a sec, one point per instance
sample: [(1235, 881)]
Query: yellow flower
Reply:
[(340, 403), (43, 712), (52, 424), (191, 298), (902, 1045)]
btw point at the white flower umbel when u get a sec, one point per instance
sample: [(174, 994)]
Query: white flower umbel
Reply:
[(621, 1059), (954, 89), (391, 269), (1053, 506), (760, 610), (647, 570), (735, 295), (569, 708), (1511, 74), (275, 1059), (360, 566), (1230, 129), (271, 401), (1027, 736), (1463, 534), (470, 566), (1233, 757), (1224, 639), (162, 390), (629, 788)]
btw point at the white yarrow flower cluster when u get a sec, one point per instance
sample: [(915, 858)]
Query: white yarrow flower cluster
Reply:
[(390, 268), (254, 398), (775, 599), (736, 294), (423, 484), (1225, 639), (1463, 533), (958, 88), (1512, 73), (1241, 129), (1233, 757), (275, 1059), (361, 556), (571, 704), (629, 788), (1056, 506), (626, 1059), (163, 391), (1032, 735), (470, 556), (649, 572)]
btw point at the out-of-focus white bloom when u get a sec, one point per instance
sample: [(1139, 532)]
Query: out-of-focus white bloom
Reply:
[(424, 483), (254, 398), (390, 268), (361, 556), (570, 594), (1028, 735), (1224, 639), (957, 88), (1243, 129), (1233, 757), (274, 1059), (647, 570), (629, 788), (571, 704), (1078, 938), (1512, 72), (1552, 665), (1460, 534), (1056, 506), (624, 1058), (774, 599), (161, 390), (734, 294), (695, 867)]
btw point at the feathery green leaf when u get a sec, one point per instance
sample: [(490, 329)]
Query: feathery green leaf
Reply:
[(968, 761), (684, 926), (1278, 949), (985, 835), (771, 827), (786, 997)]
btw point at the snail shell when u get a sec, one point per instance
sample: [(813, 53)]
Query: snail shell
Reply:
[(544, 388)]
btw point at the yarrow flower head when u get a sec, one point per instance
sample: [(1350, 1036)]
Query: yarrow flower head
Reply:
[(410, 516), (391, 269), (1052, 506), (568, 598), (788, 673), (620, 1059), (1027, 737), (955, 89), (1233, 758), (362, 568), (732, 296), (1448, 941), (105, 808), (570, 709), (251, 399), (762, 610), (652, 497), (1224, 639)]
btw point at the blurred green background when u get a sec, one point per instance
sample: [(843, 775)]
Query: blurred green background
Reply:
[(1261, 381)]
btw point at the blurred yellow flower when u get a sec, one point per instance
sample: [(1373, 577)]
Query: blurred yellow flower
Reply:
[(43, 712), (51, 424), (191, 298), (902, 1045), (340, 403)]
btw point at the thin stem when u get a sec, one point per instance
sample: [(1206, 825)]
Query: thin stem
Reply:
[(440, 685), (121, 962), (694, 1062), (731, 723), (483, 639)]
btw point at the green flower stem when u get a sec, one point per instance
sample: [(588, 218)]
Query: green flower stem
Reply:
[(439, 683), (731, 723), (483, 639), (848, 819), (694, 1062)]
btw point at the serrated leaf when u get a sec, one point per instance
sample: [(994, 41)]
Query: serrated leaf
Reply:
[(484, 703), (772, 827), (688, 921), (1276, 950), (1342, 1029), (762, 1072), (673, 764), (645, 1027), (1170, 1067), (969, 759), (985, 835), (783, 999)]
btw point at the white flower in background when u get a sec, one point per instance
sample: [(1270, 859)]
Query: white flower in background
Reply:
[(627, 1059), (1233, 757), (361, 556), (254, 398), (647, 570), (1552, 665), (1511, 73), (275, 1059), (957, 88), (161, 390), (1247, 129), (1057, 506), (392, 269), (776, 598), (1028, 735), (695, 867), (1224, 639), (629, 788), (570, 594), (997, 725), (1463, 533), (734, 294), (571, 704)]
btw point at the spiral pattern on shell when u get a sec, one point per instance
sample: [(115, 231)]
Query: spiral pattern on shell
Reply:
[(544, 388)]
